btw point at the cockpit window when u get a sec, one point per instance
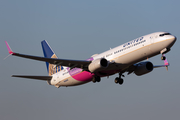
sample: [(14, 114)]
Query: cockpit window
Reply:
[(164, 34)]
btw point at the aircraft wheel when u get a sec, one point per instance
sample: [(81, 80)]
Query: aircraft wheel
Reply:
[(94, 80), (121, 81), (98, 79), (116, 80), (163, 57)]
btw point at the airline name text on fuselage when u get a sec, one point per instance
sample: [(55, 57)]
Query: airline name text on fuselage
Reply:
[(133, 41)]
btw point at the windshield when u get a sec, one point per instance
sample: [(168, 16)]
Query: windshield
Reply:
[(164, 34)]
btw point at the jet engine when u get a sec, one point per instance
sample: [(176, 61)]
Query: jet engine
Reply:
[(143, 68), (98, 64)]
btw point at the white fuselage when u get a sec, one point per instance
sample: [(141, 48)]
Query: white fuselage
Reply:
[(123, 56)]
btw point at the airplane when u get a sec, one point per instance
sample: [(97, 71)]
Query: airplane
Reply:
[(128, 57)]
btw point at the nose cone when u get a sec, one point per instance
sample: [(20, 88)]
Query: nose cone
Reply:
[(175, 38), (172, 40)]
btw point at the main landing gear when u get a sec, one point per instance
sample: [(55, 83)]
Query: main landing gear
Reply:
[(119, 79), (96, 79)]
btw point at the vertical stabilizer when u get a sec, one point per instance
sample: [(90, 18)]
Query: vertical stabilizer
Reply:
[(49, 53)]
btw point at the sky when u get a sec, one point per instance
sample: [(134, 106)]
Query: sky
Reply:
[(77, 29)]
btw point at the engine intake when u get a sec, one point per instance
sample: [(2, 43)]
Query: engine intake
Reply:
[(143, 68), (98, 64)]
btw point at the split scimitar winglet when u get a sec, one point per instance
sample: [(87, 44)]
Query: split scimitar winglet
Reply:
[(9, 50), (166, 63)]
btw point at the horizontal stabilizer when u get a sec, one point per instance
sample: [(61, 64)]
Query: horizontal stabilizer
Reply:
[(45, 78)]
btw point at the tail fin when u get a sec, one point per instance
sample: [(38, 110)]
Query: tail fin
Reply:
[(49, 53)]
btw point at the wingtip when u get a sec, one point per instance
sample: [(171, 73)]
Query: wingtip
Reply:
[(166, 62), (8, 47)]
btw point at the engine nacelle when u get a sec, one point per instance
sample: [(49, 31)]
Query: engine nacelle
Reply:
[(98, 64), (143, 68)]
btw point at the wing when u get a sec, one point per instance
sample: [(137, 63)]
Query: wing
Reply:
[(132, 68), (166, 64), (45, 78), (63, 62)]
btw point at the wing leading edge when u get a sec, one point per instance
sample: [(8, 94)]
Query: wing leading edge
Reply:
[(132, 68)]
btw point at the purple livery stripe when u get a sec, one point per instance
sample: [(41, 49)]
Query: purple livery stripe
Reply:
[(83, 76), (90, 59), (80, 75)]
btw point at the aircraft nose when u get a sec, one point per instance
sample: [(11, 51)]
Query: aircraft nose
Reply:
[(174, 39)]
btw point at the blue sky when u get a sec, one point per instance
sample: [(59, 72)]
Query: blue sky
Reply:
[(77, 30)]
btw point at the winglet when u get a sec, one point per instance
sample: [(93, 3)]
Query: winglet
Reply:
[(166, 63), (8, 47)]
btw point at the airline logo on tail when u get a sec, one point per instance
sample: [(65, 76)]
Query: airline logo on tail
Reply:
[(49, 53), (52, 69)]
